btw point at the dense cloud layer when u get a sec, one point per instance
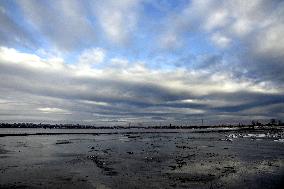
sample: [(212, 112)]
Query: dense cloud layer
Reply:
[(110, 62)]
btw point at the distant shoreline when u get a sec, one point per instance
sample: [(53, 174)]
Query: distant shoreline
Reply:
[(79, 126)]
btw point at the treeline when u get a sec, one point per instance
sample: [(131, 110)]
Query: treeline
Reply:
[(50, 126), (272, 122)]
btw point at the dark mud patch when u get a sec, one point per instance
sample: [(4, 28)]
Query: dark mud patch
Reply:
[(103, 165), (183, 147), (64, 178), (189, 156), (187, 177), (2, 151), (132, 136), (228, 170), (181, 161), (63, 142)]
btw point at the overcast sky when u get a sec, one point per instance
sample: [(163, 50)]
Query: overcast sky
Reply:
[(141, 61)]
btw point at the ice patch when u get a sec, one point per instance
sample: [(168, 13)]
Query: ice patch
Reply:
[(232, 136), (255, 136), (279, 140), (123, 139)]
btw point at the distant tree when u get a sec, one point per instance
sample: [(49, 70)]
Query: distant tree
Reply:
[(273, 121), (258, 123)]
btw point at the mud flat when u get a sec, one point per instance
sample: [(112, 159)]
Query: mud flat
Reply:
[(178, 159)]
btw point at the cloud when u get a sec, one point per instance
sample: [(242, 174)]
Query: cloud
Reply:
[(140, 60), (92, 56), (170, 40), (53, 110), (249, 33), (270, 41), (11, 31), (220, 40), (241, 27), (119, 62), (110, 93), (234, 18), (218, 18), (118, 19), (70, 26)]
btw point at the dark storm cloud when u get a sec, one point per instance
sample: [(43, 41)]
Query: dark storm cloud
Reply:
[(252, 100)]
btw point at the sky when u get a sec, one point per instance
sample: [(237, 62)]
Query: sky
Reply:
[(109, 62)]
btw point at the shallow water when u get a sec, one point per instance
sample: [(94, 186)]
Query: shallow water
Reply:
[(139, 160)]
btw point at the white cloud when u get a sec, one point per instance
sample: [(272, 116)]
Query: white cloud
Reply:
[(241, 27), (53, 110), (53, 53), (10, 55), (271, 41), (226, 21), (119, 62), (220, 40), (92, 56), (94, 103), (118, 18), (217, 19)]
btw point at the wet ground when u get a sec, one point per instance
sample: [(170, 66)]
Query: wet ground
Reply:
[(230, 159)]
